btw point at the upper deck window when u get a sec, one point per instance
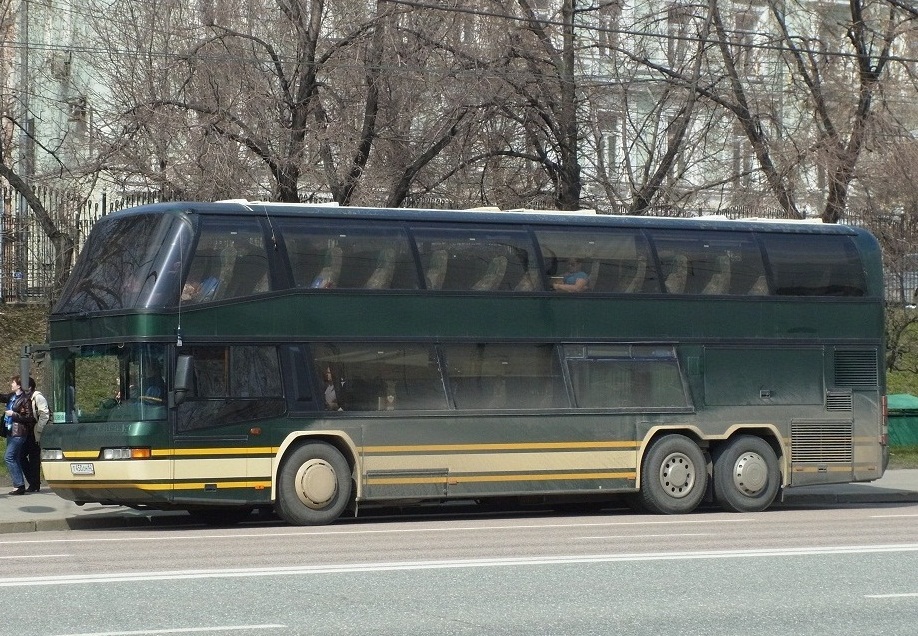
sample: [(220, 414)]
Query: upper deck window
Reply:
[(120, 264), (617, 261), (229, 261), (703, 262), (814, 265), (477, 260), (348, 256)]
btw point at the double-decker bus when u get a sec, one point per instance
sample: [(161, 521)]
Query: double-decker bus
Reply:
[(230, 356)]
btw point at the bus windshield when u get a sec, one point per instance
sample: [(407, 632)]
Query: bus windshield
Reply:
[(132, 262), (115, 383)]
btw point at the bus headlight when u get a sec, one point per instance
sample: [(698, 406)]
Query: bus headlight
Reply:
[(51, 454), (125, 453)]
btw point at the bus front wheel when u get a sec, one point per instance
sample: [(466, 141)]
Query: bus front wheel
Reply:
[(674, 476), (313, 485), (746, 474)]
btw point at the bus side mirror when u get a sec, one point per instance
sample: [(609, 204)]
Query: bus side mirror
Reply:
[(183, 375)]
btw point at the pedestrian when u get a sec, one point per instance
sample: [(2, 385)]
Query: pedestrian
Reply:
[(18, 421), (31, 457)]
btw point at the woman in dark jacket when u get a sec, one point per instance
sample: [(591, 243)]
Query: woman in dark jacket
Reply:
[(18, 421)]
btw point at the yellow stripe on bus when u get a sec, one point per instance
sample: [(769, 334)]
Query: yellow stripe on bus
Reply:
[(480, 447), (458, 479), (93, 485)]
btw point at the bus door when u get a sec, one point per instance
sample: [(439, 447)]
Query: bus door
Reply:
[(224, 399)]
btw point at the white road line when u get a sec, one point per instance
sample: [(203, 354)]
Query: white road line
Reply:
[(35, 556), (905, 595), (643, 536), (333, 532), (84, 579), (183, 630)]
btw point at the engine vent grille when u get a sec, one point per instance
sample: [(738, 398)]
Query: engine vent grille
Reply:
[(822, 442), (856, 368), (838, 401)]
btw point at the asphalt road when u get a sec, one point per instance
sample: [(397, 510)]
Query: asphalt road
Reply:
[(834, 571)]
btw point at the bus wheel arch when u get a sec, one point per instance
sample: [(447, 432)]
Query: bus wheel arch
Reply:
[(747, 473), (674, 475), (314, 483)]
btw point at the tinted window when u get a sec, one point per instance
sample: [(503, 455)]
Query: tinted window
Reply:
[(229, 261), (710, 262), (505, 376), (349, 256), (117, 265), (379, 377), (814, 265), (231, 385), (612, 262), (625, 376), (477, 260)]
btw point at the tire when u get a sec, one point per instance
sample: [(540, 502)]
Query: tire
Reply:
[(674, 476), (746, 474), (313, 485)]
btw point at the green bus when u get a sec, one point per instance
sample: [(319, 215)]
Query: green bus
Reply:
[(230, 356)]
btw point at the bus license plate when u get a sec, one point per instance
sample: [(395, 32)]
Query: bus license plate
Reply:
[(82, 469)]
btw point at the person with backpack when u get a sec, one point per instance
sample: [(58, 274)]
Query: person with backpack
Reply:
[(31, 455), (18, 421)]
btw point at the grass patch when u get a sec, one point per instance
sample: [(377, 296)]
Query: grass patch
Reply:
[(903, 457)]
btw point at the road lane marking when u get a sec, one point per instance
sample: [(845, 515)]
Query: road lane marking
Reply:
[(35, 556), (644, 536), (171, 538), (183, 630), (903, 595), (349, 568)]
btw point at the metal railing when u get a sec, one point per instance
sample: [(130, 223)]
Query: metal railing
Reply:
[(27, 256)]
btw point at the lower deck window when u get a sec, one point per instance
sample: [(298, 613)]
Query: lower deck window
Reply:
[(625, 376)]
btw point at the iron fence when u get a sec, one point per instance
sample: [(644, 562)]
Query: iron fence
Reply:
[(27, 256)]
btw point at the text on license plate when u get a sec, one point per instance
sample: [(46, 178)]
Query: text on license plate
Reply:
[(82, 469)]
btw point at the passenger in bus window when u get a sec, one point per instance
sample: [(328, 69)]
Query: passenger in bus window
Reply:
[(332, 402), (573, 280), (200, 291)]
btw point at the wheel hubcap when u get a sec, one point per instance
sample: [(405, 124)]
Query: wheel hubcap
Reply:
[(750, 474), (317, 483), (677, 475)]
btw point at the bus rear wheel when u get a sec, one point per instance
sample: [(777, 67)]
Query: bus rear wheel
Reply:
[(674, 476), (313, 485), (746, 474)]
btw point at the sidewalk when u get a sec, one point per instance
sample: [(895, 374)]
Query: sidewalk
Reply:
[(46, 511)]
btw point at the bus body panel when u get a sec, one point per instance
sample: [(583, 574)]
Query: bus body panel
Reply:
[(798, 367)]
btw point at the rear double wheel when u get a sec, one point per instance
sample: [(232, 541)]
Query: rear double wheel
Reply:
[(746, 474), (313, 485), (674, 476)]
